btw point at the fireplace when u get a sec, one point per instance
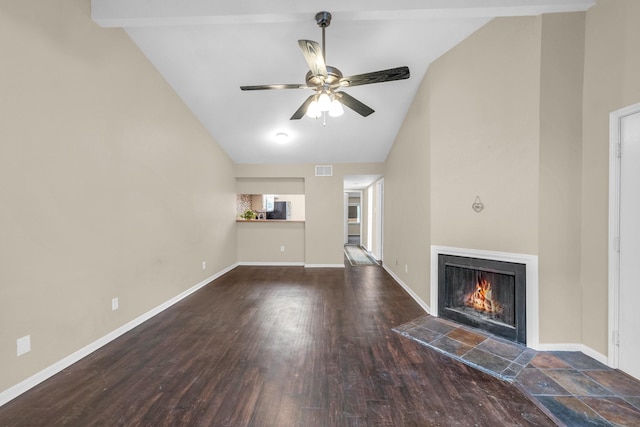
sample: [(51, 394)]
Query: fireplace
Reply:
[(484, 293)]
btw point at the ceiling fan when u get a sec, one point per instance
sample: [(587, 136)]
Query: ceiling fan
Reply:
[(326, 81)]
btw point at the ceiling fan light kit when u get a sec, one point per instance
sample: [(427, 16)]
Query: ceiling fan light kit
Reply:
[(326, 81)]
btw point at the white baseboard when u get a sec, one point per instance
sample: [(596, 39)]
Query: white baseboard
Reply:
[(574, 347), (413, 295), (23, 386), (324, 266), (272, 264)]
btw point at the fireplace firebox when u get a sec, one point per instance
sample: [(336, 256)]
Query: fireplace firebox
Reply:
[(485, 294)]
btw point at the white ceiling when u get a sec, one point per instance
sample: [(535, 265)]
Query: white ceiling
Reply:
[(207, 49)]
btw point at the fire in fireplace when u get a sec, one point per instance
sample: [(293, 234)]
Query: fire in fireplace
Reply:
[(482, 301), (485, 294)]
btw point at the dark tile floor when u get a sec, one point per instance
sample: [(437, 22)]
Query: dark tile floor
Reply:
[(572, 388)]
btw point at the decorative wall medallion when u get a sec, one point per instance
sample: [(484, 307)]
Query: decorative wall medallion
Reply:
[(477, 205)]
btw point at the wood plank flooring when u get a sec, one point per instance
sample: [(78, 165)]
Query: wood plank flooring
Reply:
[(276, 346)]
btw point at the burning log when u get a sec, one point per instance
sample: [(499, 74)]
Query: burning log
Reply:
[(482, 298)]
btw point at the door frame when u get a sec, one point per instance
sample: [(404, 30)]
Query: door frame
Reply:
[(615, 120), (380, 220)]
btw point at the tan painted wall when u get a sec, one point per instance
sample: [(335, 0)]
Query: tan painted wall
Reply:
[(324, 210), (273, 185), (484, 139), (612, 67), (407, 198), (109, 185), (560, 177), (260, 242)]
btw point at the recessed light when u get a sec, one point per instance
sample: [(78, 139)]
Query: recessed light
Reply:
[(282, 137)]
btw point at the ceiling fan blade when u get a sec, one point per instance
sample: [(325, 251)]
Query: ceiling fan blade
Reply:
[(300, 112), (313, 54), (391, 74), (277, 86), (353, 103)]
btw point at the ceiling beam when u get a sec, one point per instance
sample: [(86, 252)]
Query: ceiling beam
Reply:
[(140, 13)]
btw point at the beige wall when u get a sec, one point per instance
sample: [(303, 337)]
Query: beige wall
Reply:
[(407, 200), (562, 59), (484, 97), (324, 210), (261, 242), (270, 185), (612, 67), (109, 185)]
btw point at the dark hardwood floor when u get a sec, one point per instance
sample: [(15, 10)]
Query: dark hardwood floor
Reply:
[(276, 346)]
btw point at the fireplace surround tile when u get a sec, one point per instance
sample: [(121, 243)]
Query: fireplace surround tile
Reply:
[(570, 387), (502, 349), (451, 346), (487, 360), (424, 334), (577, 383), (548, 361), (467, 337), (571, 411), (616, 381), (534, 382), (513, 370), (614, 409), (635, 401)]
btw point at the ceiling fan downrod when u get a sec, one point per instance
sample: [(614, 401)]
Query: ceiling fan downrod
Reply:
[(323, 19)]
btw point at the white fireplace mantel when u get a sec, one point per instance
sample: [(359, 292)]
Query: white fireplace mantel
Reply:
[(531, 263)]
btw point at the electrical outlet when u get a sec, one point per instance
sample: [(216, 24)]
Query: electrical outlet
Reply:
[(23, 345), (406, 268), (114, 304), (281, 248), (204, 265)]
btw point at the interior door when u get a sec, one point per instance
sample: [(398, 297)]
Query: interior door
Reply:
[(629, 312)]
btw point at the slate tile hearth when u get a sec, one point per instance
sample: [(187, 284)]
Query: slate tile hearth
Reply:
[(572, 388)]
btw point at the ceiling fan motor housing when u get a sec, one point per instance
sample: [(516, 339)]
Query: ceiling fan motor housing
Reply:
[(332, 81), (323, 19)]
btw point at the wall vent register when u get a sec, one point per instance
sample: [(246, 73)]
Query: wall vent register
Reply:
[(324, 170)]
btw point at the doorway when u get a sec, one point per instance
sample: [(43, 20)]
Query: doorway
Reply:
[(624, 241), (353, 217)]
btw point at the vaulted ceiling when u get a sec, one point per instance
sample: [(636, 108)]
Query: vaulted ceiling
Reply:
[(207, 49)]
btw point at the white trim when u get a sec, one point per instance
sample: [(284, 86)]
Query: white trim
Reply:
[(574, 347), (272, 264), (531, 263), (23, 386), (324, 265), (413, 295), (615, 119)]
